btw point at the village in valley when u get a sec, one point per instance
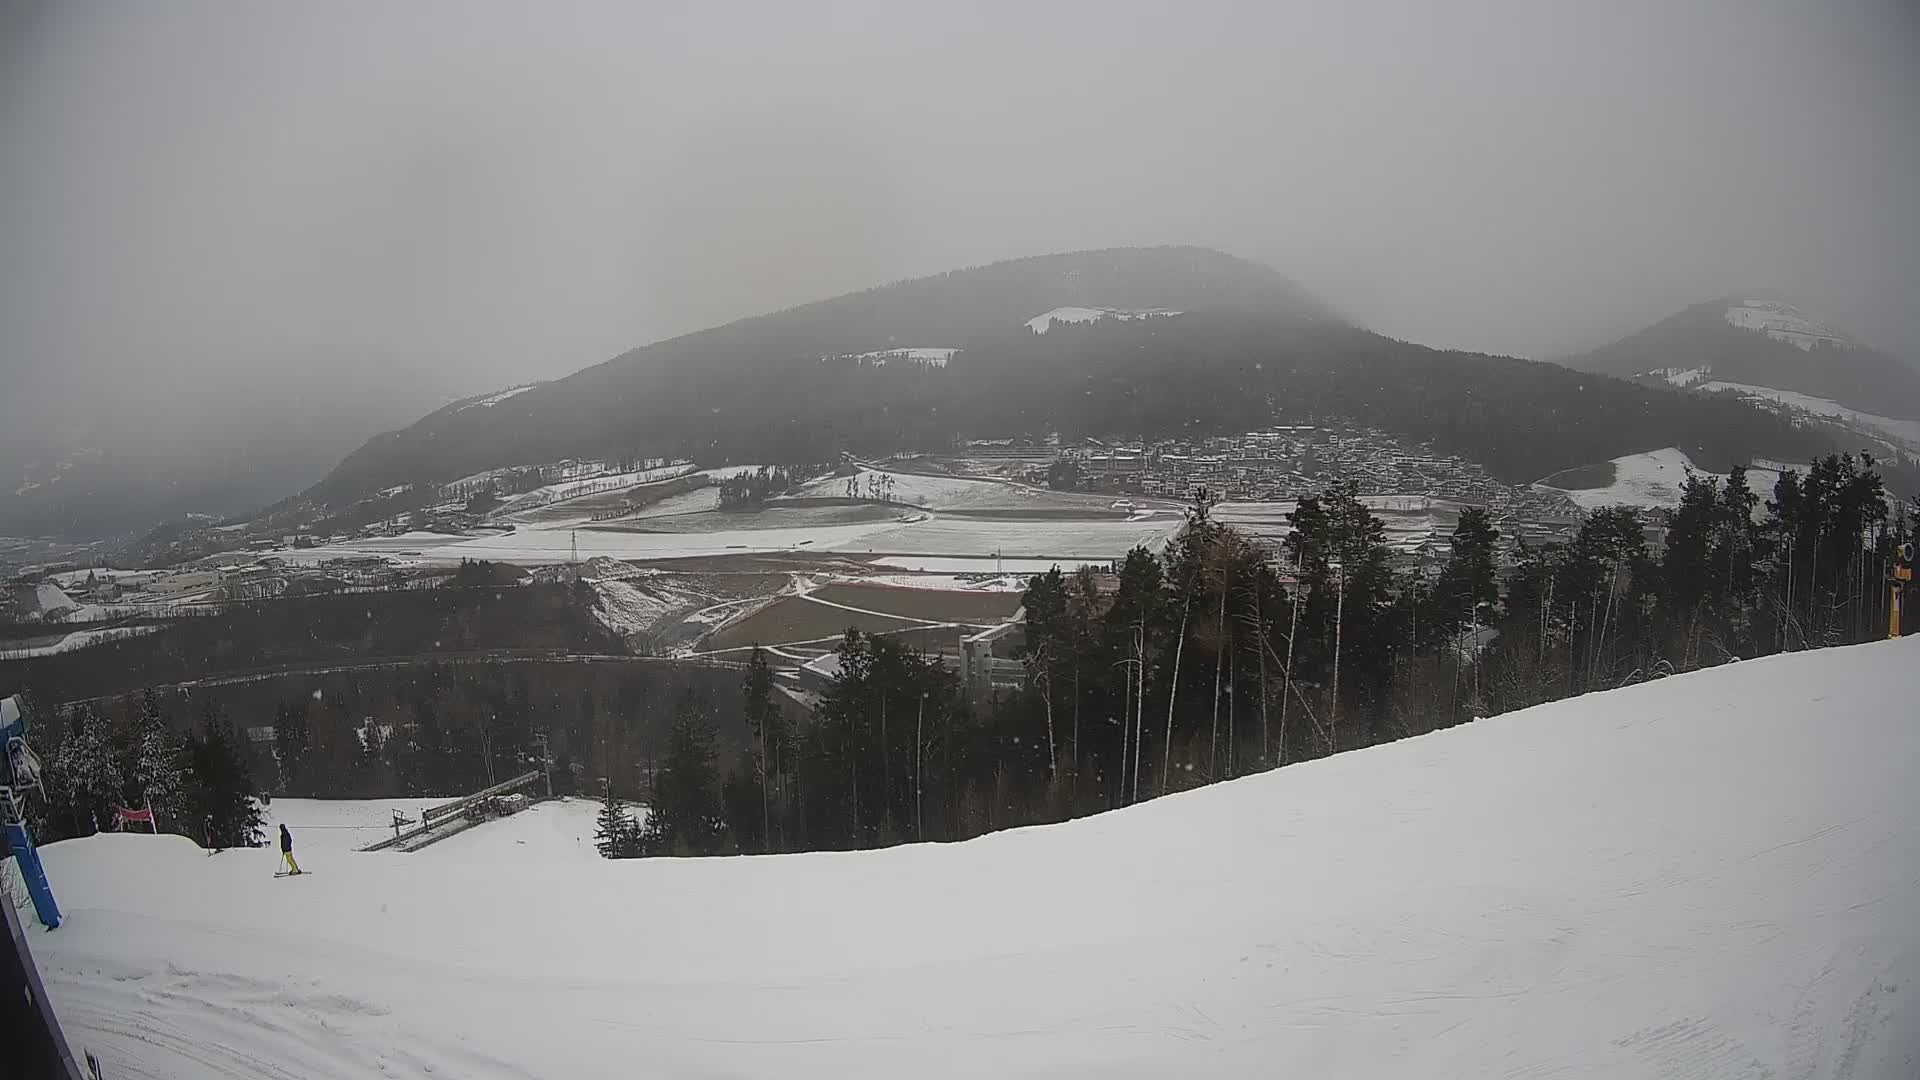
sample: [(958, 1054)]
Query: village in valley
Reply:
[(676, 560)]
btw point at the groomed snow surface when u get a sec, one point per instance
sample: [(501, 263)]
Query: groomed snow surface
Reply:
[(1713, 875)]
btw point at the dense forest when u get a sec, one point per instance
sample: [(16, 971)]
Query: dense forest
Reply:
[(752, 488), (1249, 349), (431, 729), (322, 629)]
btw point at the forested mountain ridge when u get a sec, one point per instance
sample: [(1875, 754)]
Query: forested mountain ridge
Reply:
[(660, 398), (1230, 345), (1763, 342)]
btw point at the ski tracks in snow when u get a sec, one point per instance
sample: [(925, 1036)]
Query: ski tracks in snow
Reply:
[(175, 1024)]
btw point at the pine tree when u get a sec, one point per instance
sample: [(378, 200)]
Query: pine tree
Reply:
[(743, 797), (764, 721), (162, 771), (290, 738), (228, 807), (87, 770), (687, 804), (613, 831)]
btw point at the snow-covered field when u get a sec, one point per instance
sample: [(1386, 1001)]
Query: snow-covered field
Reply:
[(1093, 541), (1411, 520), (939, 492), (1073, 528), (570, 489), (78, 639), (1043, 539), (1670, 880), (930, 357), (1648, 480), (1044, 321), (949, 564)]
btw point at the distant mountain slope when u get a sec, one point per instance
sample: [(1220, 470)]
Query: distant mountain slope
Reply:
[(1764, 343), (1137, 342), (204, 447), (642, 398)]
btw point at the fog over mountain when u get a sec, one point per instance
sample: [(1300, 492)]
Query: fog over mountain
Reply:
[(222, 221)]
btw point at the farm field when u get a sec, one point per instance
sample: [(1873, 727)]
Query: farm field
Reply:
[(1409, 522), (586, 507), (774, 516), (1066, 541), (939, 605), (795, 620)]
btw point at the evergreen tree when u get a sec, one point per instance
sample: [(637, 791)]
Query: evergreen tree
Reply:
[(686, 803), (228, 797), (290, 739), (613, 832), (1468, 582), (1047, 647), (765, 723), (418, 753), (88, 771), (163, 770), (1346, 637), (743, 802)]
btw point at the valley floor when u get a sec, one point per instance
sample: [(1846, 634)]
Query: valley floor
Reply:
[(1711, 875)]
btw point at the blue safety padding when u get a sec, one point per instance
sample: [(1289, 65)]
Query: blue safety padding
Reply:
[(34, 875)]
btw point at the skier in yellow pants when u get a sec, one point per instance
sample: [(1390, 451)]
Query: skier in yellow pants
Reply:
[(286, 851)]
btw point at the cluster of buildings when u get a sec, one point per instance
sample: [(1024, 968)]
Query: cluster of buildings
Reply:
[(1281, 464)]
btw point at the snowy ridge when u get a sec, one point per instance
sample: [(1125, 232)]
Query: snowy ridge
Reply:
[(1484, 901), (491, 400), (1784, 322)]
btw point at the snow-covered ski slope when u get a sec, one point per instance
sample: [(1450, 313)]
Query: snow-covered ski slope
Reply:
[(1713, 875)]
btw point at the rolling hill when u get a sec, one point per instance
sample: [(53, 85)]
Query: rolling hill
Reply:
[(1133, 342), (1762, 344)]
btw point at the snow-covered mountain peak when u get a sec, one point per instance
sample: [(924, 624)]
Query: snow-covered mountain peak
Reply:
[(1784, 322)]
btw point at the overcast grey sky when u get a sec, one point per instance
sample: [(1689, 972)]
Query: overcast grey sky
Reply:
[(452, 197)]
